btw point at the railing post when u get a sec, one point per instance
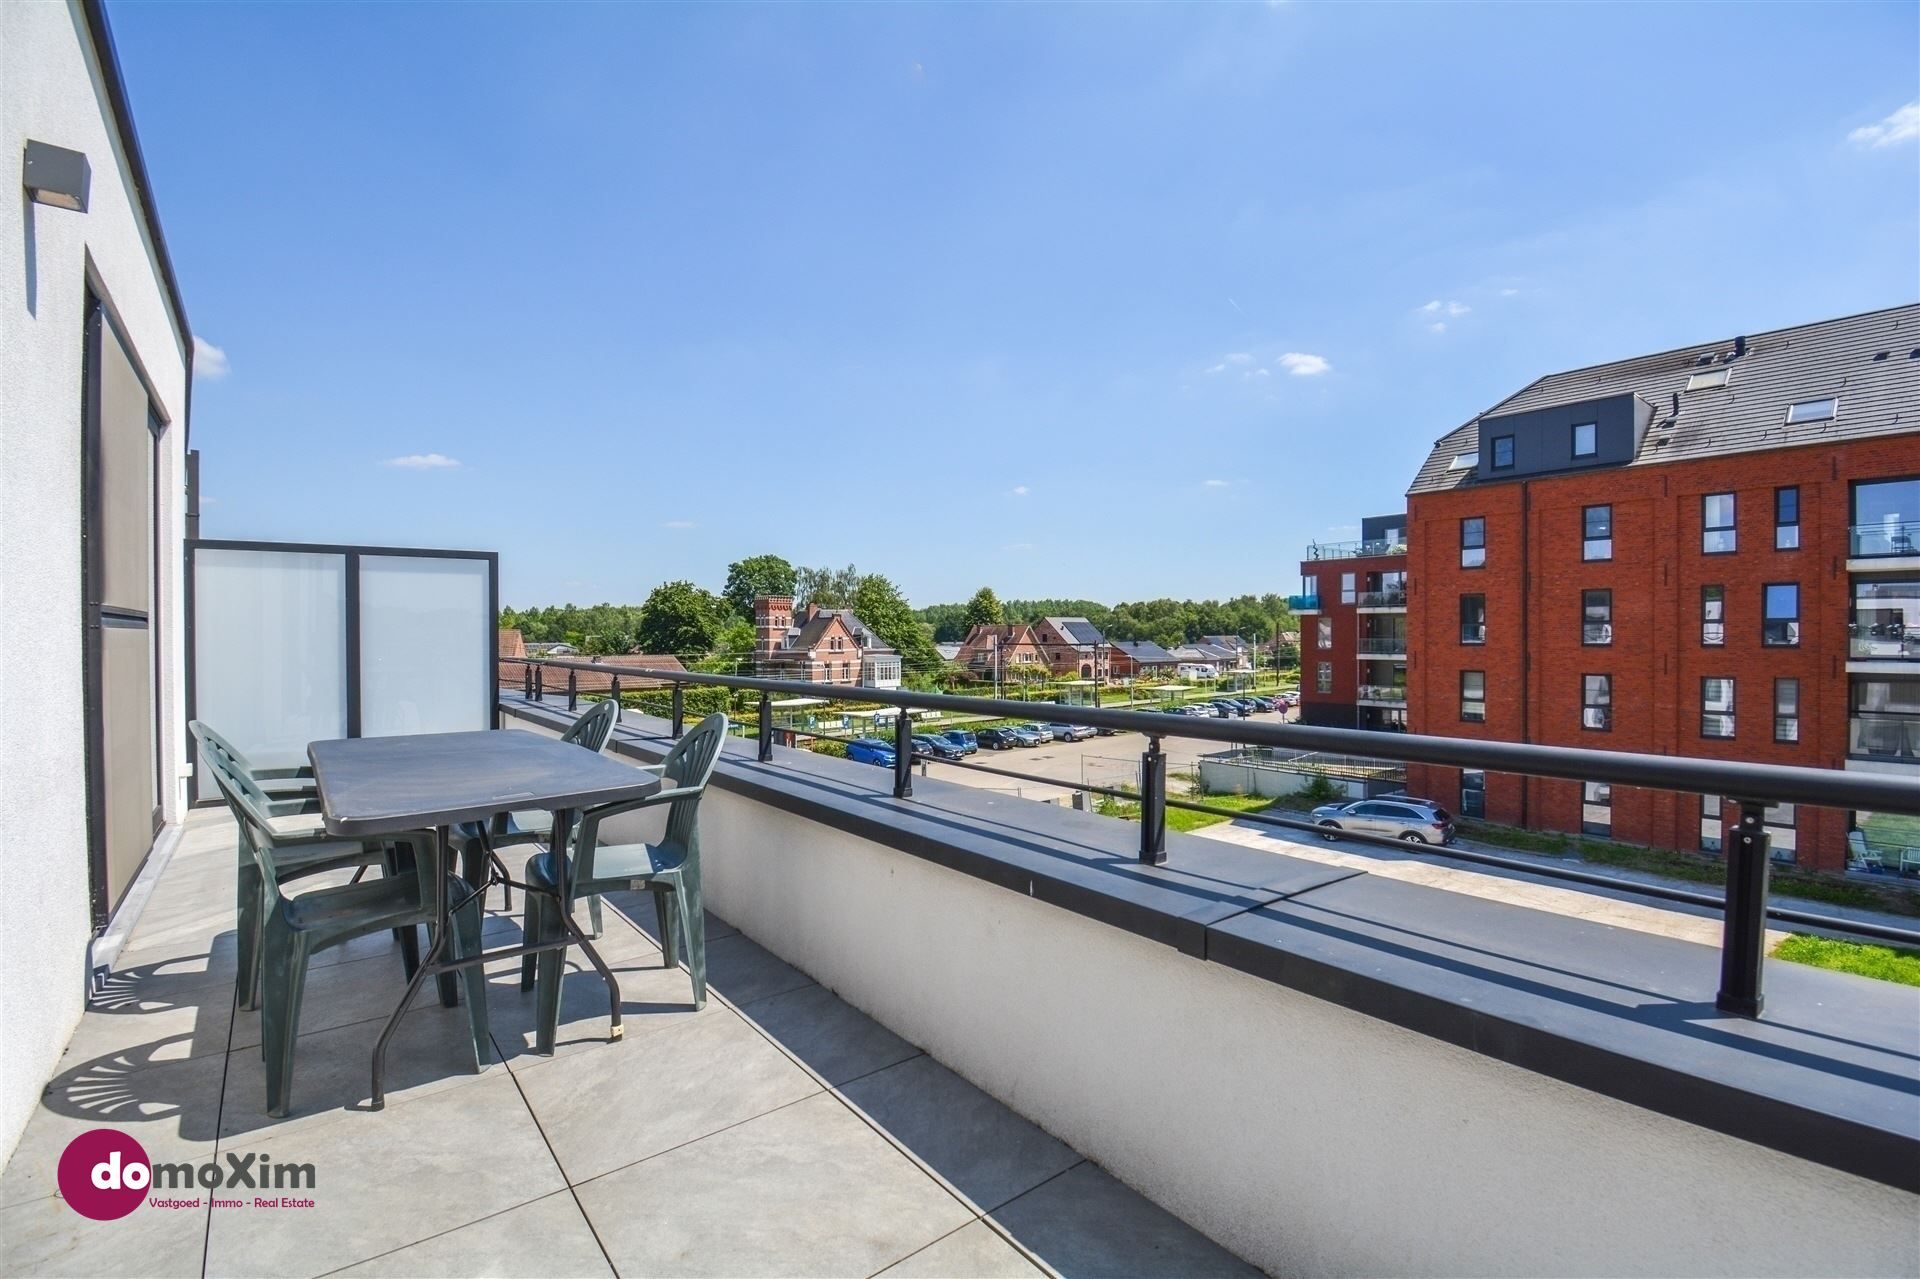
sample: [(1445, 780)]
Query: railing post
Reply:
[(1153, 805), (1743, 944), (766, 726), (526, 680), (613, 691), (679, 710), (573, 689), (902, 754), (539, 683)]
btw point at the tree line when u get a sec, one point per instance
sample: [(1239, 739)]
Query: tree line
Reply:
[(1165, 622)]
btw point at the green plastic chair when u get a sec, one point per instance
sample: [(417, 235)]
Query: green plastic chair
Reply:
[(301, 848), (670, 869), (480, 842), (297, 928)]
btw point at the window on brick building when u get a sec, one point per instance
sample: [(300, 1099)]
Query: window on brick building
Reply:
[(1585, 439), (1473, 697), (1473, 541), (1717, 533), (1473, 793), (1323, 678), (1783, 840), (1786, 710), (1346, 588), (1786, 519), (1596, 702), (1596, 809), (1716, 707), (1473, 619), (1323, 632), (1596, 523), (1596, 617), (1713, 616), (1502, 452), (1781, 625), (1712, 826)]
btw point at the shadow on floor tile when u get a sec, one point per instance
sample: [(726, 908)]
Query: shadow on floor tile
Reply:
[(1086, 1225)]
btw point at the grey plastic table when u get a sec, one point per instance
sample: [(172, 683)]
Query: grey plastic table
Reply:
[(373, 786)]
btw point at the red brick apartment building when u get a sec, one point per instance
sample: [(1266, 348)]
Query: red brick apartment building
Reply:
[(1711, 552), (1353, 629)]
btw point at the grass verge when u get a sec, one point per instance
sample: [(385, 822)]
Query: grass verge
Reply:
[(1867, 959)]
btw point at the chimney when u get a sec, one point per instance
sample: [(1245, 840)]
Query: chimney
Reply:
[(1739, 347), (771, 616)]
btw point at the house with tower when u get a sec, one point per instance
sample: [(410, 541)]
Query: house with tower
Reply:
[(820, 645)]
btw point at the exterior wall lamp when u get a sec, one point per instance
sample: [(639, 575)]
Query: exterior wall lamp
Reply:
[(56, 176)]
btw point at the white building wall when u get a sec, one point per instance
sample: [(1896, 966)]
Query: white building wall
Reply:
[(52, 90)]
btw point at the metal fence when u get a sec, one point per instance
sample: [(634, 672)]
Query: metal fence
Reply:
[(1751, 787)]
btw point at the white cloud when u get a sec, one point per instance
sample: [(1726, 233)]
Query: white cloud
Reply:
[(1437, 307), (209, 361), (1438, 326), (1239, 357), (1256, 373), (1217, 368), (678, 524), (1509, 293), (1902, 126), (1301, 364), (1020, 490), (422, 461), (1214, 484), (1432, 306)]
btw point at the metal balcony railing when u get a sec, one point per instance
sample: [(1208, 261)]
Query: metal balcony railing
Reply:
[(1355, 550), (1751, 787), (1392, 646), (1884, 736), (1395, 597), (1381, 693), (1890, 537)]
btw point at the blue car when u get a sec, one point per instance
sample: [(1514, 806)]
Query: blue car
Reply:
[(960, 737), (870, 750), (925, 744)]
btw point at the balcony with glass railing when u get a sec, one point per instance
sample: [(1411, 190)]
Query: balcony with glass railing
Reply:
[(1386, 694), (1884, 737), (1356, 549), (1378, 646), (1388, 599)]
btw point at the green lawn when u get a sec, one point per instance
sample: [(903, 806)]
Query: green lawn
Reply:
[(1887, 963), (1185, 819)]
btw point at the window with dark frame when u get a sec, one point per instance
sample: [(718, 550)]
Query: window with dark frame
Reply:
[(1473, 697), (1596, 702), (1596, 532), (1473, 541), (1323, 678), (1585, 439), (1473, 619), (1713, 826), (1786, 518), (1779, 821), (1596, 809), (1323, 632), (1713, 616), (1780, 624), (1473, 792), (1717, 533), (1502, 452), (1716, 707), (1596, 617), (1347, 588), (1786, 710)]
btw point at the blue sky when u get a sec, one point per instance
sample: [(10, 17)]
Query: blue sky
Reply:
[(1113, 302)]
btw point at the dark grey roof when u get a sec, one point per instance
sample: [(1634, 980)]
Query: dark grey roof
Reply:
[(808, 635), (1780, 368), (1077, 629), (1234, 642), (1145, 652)]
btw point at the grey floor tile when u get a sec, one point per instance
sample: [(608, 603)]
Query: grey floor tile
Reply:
[(652, 997), (548, 1237), (639, 908), (744, 971), (48, 1240), (807, 1190), (624, 1101), (170, 1106), (1085, 1224), (387, 1179), (836, 1040), (182, 1008), (333, 1071), (974, 1251), (985, 1150)]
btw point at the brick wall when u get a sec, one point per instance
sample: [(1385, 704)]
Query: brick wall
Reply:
[(1534, 657), (1336, 708)]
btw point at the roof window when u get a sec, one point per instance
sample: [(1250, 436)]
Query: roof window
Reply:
[(1464, 462), (1813, 411), (1709, 379)]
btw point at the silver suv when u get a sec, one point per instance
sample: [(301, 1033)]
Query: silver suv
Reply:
[(1418, 821)]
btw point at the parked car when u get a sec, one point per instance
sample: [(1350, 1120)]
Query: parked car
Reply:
[(996, 739), (1262, 703), (938, 747), (1418, 821), (960, 737), (1232, 706), (1069, 732), (1028, 735), (870, 750)]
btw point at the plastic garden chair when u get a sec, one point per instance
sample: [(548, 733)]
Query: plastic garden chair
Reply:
[(481, 842), (670, 869), (297, 928), (301, 848)]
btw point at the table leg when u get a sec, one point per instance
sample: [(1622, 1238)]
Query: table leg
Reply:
[(438, 942), (562, 823)]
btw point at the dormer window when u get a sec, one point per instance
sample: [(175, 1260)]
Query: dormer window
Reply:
[(1585, 439), (1502, 452)]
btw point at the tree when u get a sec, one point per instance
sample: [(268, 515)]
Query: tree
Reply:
[(681, 619), (735, 640), (827, 587), (984, 608), (879, 603), (755, 576)]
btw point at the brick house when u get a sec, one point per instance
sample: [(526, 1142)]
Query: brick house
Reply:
[(820, 645), (1129, 659), (1073, 646), (1003, 647), (1739, 580)]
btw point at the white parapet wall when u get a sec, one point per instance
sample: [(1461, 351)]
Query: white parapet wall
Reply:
[(1309, 1138)]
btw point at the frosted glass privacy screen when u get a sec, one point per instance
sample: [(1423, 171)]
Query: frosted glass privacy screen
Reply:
[(426, 645)]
